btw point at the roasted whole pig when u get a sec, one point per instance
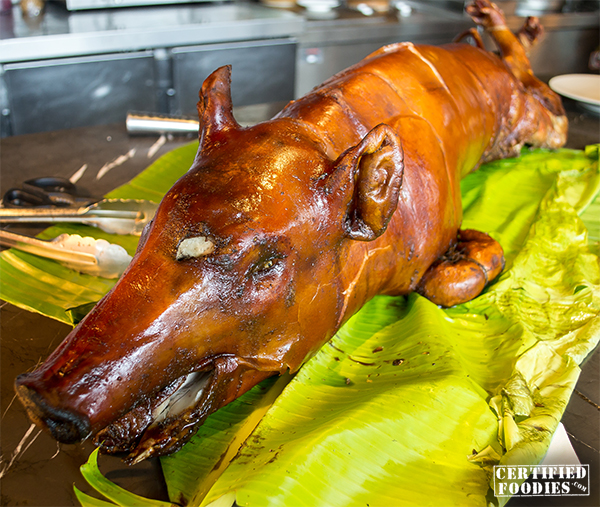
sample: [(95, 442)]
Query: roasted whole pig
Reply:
[(281, 231)]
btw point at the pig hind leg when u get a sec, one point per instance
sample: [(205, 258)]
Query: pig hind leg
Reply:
[(472, 34), (514, 49), (473, 261)]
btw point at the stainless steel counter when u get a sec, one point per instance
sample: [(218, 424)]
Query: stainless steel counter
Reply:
[(97, 64), (58, 33), (413, 20)]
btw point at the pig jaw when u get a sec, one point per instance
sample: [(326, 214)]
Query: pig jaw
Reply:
[(168, 432)]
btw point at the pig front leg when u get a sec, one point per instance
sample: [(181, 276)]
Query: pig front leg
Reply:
[(529, 35), (464, 271)]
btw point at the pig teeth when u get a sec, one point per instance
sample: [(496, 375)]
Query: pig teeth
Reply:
[(149, 424), (144, 455), (185, 397), (123, 434), (175, 419)]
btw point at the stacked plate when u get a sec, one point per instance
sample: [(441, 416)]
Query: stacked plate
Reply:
[(583, 88)]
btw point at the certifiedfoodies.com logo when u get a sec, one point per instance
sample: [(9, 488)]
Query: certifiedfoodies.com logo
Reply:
[(556, 480)]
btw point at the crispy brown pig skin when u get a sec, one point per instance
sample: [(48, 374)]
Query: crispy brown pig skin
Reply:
[(281, 231)]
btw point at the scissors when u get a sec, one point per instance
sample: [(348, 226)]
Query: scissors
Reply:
[(49, 191)]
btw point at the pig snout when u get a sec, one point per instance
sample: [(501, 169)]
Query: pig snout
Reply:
[(64, 424)]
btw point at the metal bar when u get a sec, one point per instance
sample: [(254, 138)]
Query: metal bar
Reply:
[(144, 123), (28, 215)]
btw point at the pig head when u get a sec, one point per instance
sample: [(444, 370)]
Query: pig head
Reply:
[(240, 276)]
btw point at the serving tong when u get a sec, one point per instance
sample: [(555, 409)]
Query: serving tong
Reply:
[(52, 200), (46, 249), (115, 216)]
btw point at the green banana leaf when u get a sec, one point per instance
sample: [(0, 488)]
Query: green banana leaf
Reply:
[(410, 404), (111, 491)]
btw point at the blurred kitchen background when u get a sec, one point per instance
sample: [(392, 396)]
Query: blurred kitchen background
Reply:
[(76, 63)]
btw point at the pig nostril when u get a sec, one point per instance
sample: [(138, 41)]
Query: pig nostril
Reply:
[(65, 426)]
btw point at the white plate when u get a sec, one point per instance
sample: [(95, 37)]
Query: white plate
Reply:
[(318, 5), (281, 4), (584, 88)]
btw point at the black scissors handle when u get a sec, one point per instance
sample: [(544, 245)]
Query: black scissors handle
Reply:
[(45, 191)]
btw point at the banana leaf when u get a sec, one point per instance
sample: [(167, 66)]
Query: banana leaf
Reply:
[(111, 491), (47, 287), (410, 404)]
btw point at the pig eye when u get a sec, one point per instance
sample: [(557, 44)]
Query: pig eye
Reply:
[(267, 265)]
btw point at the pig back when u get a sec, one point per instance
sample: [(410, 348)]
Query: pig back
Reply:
[(460, 93), (445, 119)]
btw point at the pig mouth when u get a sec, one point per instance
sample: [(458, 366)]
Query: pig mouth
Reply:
[(158, 424), (162, 424), (160, 421)]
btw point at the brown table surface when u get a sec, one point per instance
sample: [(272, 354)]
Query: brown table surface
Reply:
[(44, 474)]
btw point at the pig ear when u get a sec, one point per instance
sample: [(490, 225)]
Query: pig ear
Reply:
[(215, 110), (368, 178)]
